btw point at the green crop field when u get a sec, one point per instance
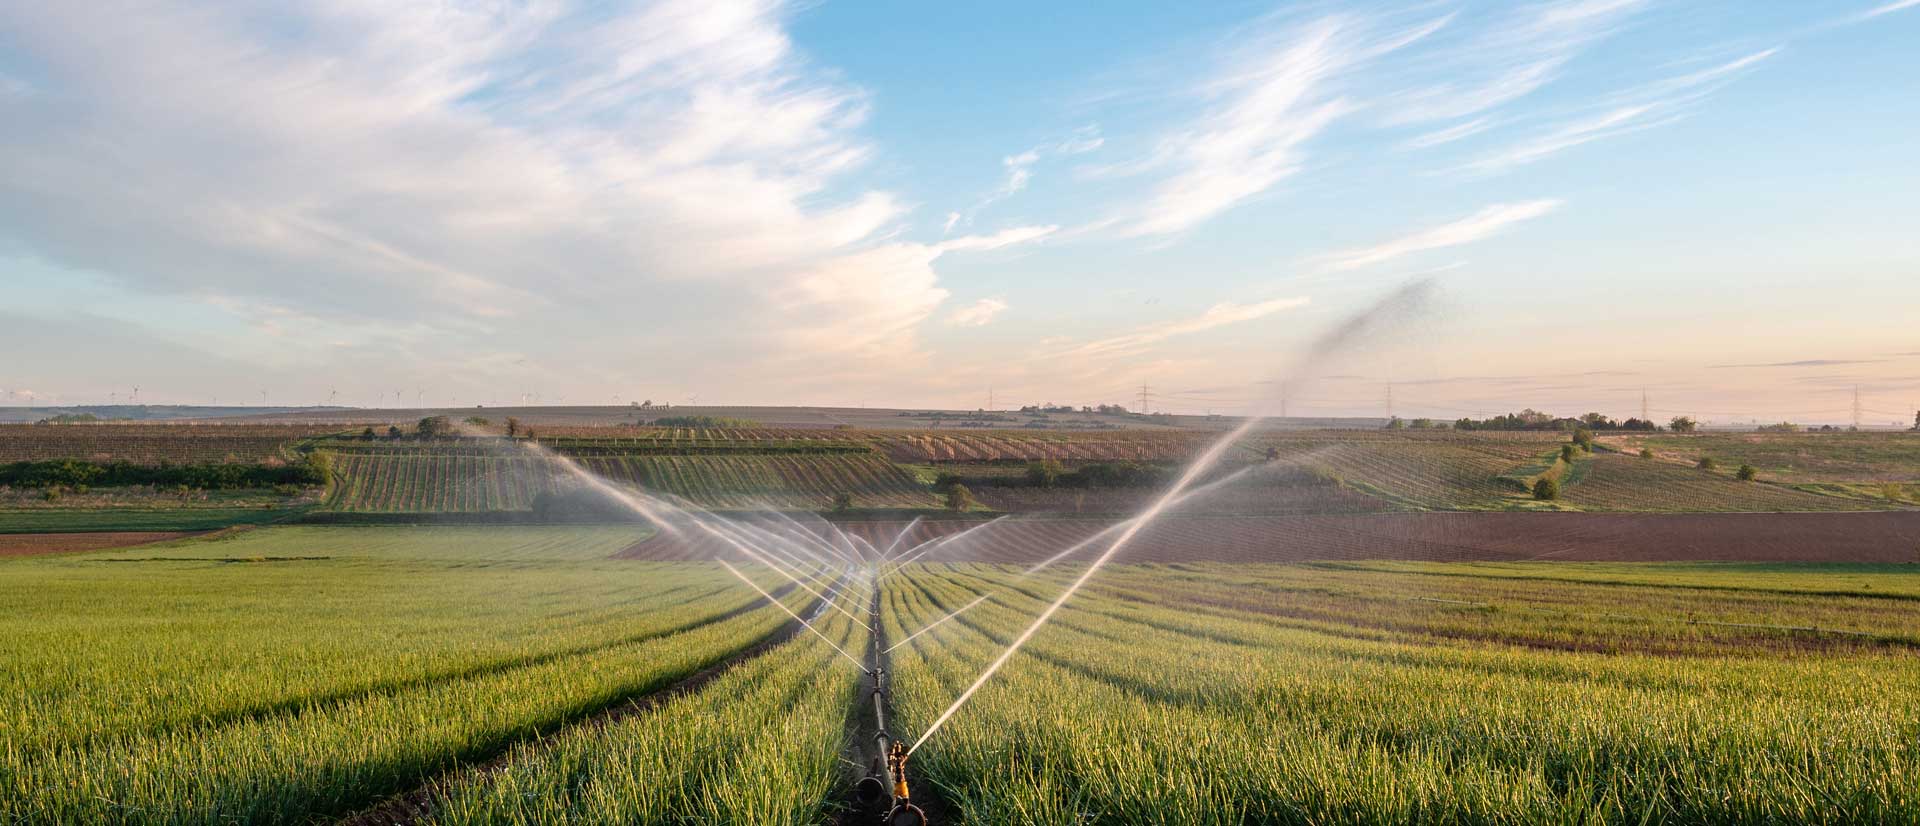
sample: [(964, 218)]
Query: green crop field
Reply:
[(1613, 482), (290, 674), (1213, 694), (300, 674), (1797, 457)]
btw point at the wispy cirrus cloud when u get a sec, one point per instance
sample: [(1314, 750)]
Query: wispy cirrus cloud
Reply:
[(1649, 106), (978, 314), (1143, 338), (1279, 94), (1486, 223), (1800, 363), (1889, 8)]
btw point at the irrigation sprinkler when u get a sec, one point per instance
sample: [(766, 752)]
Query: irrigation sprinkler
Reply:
[(886, 780)]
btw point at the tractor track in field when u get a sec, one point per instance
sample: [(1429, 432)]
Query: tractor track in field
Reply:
[(416, 805)]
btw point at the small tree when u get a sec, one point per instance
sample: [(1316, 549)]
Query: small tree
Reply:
[(478, 421), (1683, 424), (1568, 453), (367, 434), (959, 498), (1747, 473), (434, 427), (842, 502), (1706, 463), (1646, 453), (1396, 423), (1043, 474), (1584, 438), (1546, 489), (513, 427), (393, 431)]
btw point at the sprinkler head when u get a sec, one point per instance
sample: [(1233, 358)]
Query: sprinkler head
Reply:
[(906, 814)]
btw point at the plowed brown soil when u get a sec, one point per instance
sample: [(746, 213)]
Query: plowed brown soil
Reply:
[(1883, 537), (33, 544)]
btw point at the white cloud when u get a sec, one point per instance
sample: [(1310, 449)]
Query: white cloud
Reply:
[(1480, 225), (1448, 135), (978, 314), (952, 219), (1282, 91), (1525, 51), (1652, 105), (538, 171), (1897, 5), (1219, 315), (1003, 238)]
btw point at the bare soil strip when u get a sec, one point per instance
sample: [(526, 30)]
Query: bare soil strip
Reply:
[(35, 544), (1875, 537)]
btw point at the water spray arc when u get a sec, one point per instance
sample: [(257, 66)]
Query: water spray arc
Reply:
[(1398, 307)]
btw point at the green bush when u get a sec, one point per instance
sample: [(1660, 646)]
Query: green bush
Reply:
[(1747, 473), (1706, 463), (1569, 452), (1646, 453), (1044, 473), (1546, 489), (959, 498)]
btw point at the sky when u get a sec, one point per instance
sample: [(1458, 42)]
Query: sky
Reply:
[(1706, 205)]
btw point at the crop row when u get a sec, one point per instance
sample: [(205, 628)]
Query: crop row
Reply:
[(432, 481), (1149, 712), (285, 692)]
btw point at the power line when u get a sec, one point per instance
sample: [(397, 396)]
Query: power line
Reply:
[(1145, 391)]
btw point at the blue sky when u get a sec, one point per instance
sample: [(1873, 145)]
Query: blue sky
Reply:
[(907, 204)]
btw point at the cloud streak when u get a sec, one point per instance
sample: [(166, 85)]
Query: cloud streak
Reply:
[(1219, 315), (1486, 223)]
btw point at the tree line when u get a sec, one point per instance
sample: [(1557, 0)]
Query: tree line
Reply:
[(315, 469)]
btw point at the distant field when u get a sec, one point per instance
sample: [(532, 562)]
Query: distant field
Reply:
[(1613, 482), (66, 520), (456, 480), (1797, 457), (153, 443)]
